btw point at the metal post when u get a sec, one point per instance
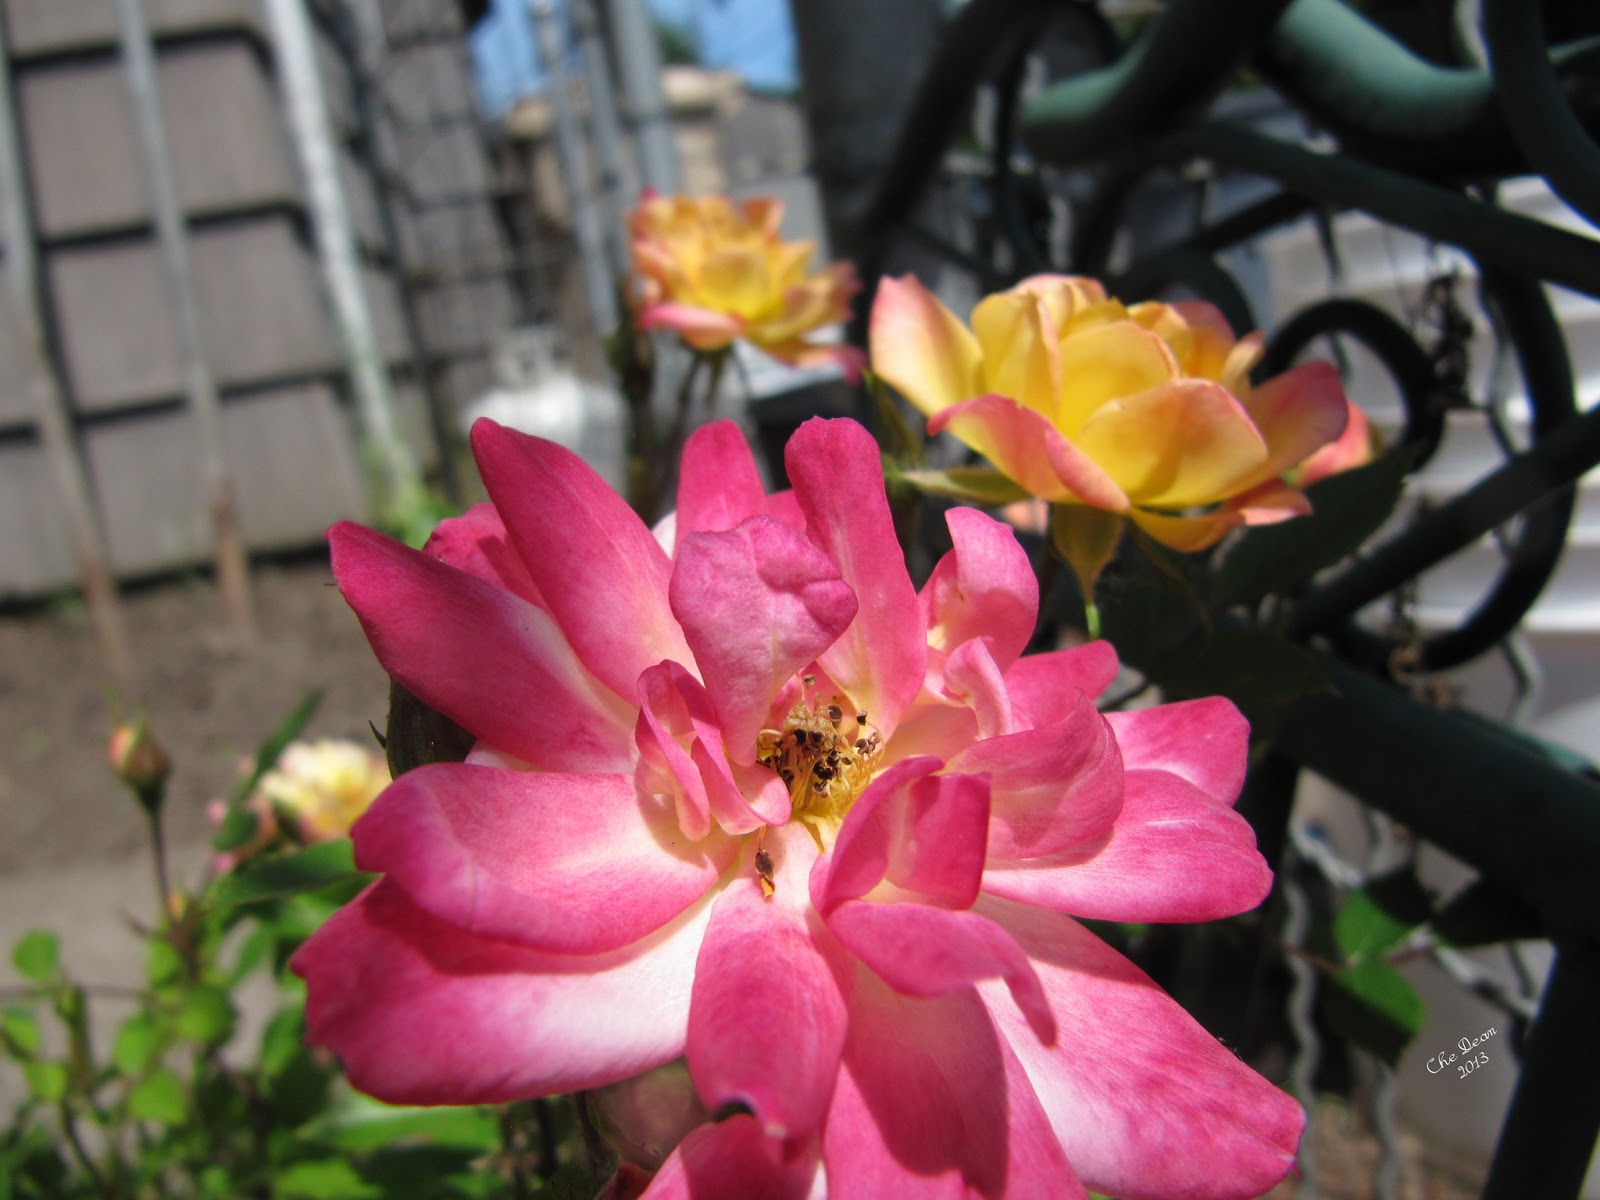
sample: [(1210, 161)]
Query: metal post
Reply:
[(649, 119), (364, 42), (399, 484), (139, 64), (574, 169), (618, 185), (47, 394)]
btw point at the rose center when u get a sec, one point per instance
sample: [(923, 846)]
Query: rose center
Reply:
[(825, 754)]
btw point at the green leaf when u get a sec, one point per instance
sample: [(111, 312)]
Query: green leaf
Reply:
[(1144, 610), (1481, 914), (19, 1032), (1346, 509), (163, 965), (360, 1122), (1381, 915), (159, 1098), (282, 1039), (1374, 1006), (206, 1016), (326, 1179), (254, 949), (139, 1041), (238, 827), (267, 754), (976, 485), (1263, 673), (47, 1080), (284, 875), (299, 1092), (37, 956)]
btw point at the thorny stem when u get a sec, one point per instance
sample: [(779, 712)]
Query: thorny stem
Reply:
[(547, 1138), (158, 854), (511, 1155), (69, 1127)]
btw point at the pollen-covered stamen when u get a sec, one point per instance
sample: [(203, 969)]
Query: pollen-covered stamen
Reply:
[(825, 754)]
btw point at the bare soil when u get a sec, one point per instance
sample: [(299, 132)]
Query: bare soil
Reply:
[(210, 702)]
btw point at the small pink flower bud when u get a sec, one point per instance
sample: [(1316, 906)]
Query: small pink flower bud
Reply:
[(140, 762), (645, 1117)]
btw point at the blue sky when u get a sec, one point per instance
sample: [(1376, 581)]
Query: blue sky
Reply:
[(754, 37)]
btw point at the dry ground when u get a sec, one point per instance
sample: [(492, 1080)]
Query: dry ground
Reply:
[(209, 702)]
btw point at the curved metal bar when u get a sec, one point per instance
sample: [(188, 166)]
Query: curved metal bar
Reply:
[(1554, 1119), (1491, 235), (1535, 106), (982, 34), (1472, 787), (1186, 57), (1552, 464), (1395, 348), (1541, 353)]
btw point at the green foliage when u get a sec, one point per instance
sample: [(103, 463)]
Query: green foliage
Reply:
[(37, 956), (1482, 914), (1346, 509), (174, 1106), (976, 485), (1372, 1005), (1381, 915)]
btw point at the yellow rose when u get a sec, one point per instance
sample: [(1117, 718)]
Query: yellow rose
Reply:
[(716, 272), (1144, 411)]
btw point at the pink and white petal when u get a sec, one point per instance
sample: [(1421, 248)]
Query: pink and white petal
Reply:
[(985, 587), (490, 661), (1187, 534), (1268, 503), (726, 784), (1174, 854), (477, 543), (1044, 687), (756, 604), (1185, 443), (921, 950), (734, 1160), (1146, 1103), (931, 729), (933, 1105), (1203, 741), (1050, 788), (1298, 413), (702, 328), (1352, 448), (923, 833), (797, 352), (921, 349), (665, 725), (767, 977), (422, 1012), (782, 506), (596, 564), (718, 484), (860, 857), (837, 473), (1031, 451), (973, 680), (568, 864)]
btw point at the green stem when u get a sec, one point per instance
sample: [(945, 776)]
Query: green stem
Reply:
[(69, 1128), (158, 854)]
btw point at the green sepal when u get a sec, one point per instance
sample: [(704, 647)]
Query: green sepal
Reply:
[(975, 485)]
